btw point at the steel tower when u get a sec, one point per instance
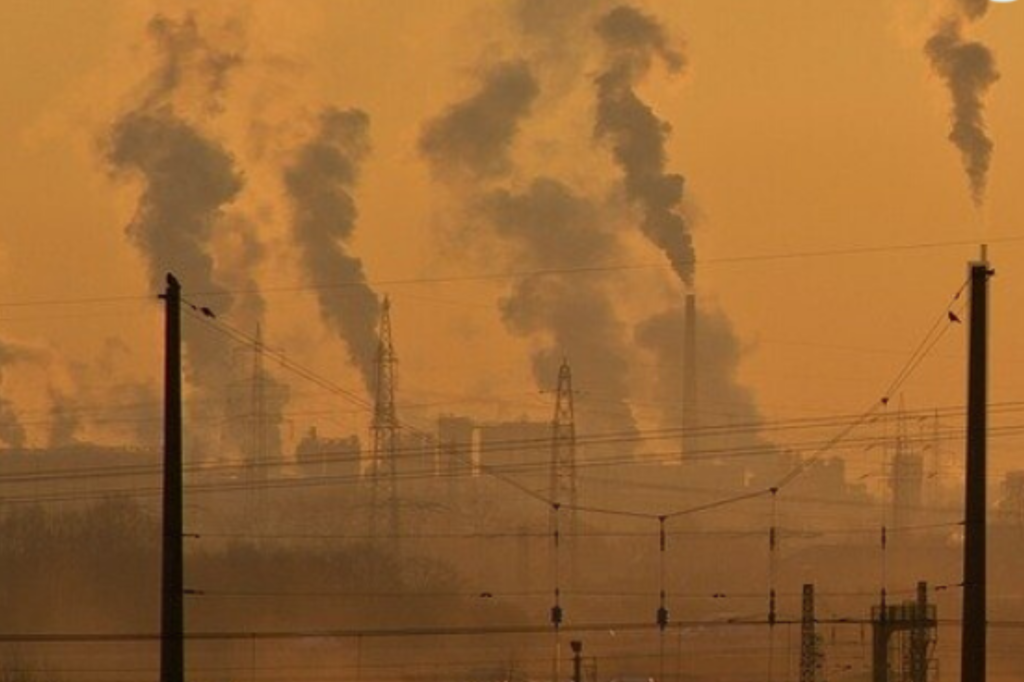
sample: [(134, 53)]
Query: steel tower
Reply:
[(385, 430)]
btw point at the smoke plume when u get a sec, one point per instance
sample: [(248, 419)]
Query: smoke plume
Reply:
[(190, 65), (540, 224), (472, 139), (547, 226), (319, 183), (188, 179), (723, 400), (968, 69), (632, 41)]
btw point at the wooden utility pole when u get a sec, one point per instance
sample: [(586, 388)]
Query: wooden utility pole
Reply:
[(172, 611), (973, 630)]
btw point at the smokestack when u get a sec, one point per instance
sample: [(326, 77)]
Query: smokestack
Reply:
[(689, 371)]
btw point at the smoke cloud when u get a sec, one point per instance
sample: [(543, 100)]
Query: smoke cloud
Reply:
[(319, 183), (190, 65), (540, 224), (968, 69), (188, 180), (548, 226), (473, 138), (632, 41), (723, 399)]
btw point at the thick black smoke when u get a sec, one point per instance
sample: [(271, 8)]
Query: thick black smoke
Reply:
[(472, 139), (636, 136), (320, 183), (969, 70)]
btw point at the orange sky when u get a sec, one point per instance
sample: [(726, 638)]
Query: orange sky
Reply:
[(801, 127)]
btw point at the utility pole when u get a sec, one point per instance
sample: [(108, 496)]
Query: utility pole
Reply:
[(172, 611), (973, 629), (577, 658)]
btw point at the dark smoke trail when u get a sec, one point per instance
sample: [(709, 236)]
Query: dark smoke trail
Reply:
[(319, 185), (636, 135), (969, 70), (188, 179), (473, 138), (543, 226)]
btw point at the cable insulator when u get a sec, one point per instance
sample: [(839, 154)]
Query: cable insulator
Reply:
[(771, 607), (556, 616), (662, 617)]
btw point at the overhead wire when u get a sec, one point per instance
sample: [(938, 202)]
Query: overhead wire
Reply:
[(516, 274)]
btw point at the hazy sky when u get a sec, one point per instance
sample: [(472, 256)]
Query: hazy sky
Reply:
[(802, 128)]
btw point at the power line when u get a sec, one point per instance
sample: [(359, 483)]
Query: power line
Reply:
[(515, 274)]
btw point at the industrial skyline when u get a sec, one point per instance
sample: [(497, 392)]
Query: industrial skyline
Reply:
[(596, 267)]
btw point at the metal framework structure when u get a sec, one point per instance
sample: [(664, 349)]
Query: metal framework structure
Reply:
[(811, 655), (385, 430), (563, 441), (908, 656)]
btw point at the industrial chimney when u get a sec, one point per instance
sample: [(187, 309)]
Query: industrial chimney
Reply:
[(690, 421)]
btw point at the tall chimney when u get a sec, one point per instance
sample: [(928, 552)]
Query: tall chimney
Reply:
[(690, 421)]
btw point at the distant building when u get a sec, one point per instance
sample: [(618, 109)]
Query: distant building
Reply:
[(79, 474), (514, 447), (454, 446), (1010, 504), (329, 457)]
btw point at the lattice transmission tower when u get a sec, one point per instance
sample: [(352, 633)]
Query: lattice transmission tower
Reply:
[(563, 442), (385, 430)]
